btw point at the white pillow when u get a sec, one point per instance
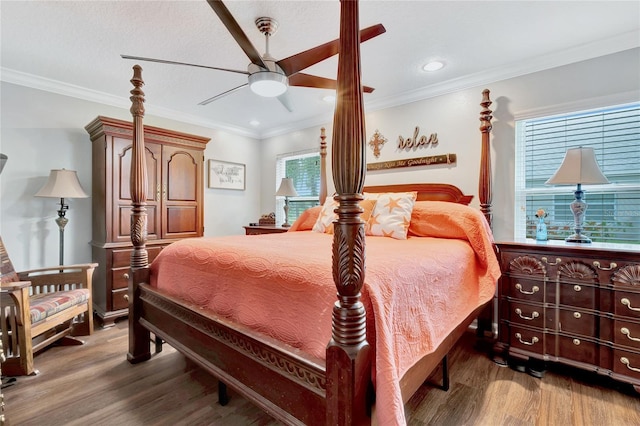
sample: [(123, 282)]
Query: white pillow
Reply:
[(327, 216), (391, 215)]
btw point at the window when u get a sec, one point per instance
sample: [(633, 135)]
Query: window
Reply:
[(613, 213), (304, 168)]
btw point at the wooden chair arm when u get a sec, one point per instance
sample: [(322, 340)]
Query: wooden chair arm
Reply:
[(56, 278), (63, 268), (17, 285)]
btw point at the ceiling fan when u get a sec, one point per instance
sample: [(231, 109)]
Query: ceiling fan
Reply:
[(267, 76)]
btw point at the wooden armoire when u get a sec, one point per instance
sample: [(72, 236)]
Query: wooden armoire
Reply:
[(175, 167)]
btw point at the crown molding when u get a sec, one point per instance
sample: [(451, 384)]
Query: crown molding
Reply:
[(20, 78)]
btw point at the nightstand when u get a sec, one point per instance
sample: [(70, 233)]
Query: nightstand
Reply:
[(576, 304), (264, 229)]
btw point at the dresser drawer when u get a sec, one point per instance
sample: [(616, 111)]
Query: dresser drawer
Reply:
[(577, 295), (120, 278), (576, 322), (122, 257), (626, 334), (626, 304), (119, 299), (577, 349), (525, 289), (527, 339), (627, 364), (530, 315)]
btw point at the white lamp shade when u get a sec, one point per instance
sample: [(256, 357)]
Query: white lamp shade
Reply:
[(3, 161), (62, 184), (286, 188), (268, 83), (578, 167)]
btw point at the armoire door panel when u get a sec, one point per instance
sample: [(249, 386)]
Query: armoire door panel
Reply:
[(181, 221), (122, 165), (182, 173), (122, 154)]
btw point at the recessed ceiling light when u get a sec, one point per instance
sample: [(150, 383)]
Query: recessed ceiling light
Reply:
[(254, 123), (433, 66), (329, 99)]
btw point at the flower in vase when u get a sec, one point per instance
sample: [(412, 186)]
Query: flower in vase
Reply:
[(541, 213)]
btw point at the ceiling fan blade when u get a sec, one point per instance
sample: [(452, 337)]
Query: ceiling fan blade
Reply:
[(302, 60), (307, 80), (220, 95), (162, 61), (234, 28), (285, 100)]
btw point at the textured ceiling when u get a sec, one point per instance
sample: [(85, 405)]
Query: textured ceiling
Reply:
[(74, 47)]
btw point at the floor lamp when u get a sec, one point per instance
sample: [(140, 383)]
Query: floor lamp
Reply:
[(62, 184), (286, 190), (578, 167)]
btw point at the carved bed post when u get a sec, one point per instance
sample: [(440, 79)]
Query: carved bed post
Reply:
[(485, 190), (323, 166), (348, 355), (138, 335)]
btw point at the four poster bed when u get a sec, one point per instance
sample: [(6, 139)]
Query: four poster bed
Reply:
[(260, 312)]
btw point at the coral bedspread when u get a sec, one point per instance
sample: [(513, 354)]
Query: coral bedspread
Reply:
[(416, 290)]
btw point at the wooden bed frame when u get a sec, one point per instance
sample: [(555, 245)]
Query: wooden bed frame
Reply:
[(289, 385)]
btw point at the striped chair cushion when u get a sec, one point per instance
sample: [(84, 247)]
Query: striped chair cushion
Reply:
[(46, 305)]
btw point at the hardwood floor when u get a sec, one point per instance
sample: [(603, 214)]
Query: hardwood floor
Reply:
[(94, 384)]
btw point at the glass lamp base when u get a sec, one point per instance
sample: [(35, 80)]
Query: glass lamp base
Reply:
[(578, 238)]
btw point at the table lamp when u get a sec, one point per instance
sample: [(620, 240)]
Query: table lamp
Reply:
[(578, 167), (62, 184), (286, 190)]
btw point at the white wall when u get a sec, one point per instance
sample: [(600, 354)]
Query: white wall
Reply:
[(455, 118), (43, 131)]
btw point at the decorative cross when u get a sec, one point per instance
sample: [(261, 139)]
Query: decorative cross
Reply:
[(376, 142)]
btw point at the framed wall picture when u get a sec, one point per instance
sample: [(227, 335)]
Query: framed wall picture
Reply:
[(226, 175)]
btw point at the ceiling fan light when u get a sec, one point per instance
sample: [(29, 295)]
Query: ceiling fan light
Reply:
[(268, 83)]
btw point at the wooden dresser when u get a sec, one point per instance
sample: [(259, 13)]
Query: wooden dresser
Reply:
[(569, 303), (175, 164)]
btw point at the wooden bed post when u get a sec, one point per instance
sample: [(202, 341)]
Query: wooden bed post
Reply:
[(485, 190), (485, 193), (139, 336), (348, 352), (323, 166)]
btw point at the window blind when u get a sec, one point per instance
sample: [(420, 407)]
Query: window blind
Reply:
[(613, 213), (304, 168)]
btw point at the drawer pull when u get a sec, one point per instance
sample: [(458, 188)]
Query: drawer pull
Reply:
[(534, 290), (577, 315), (577, 287), (126, 297), (626, 302), (576, 342), (125, 276), (625, 361), (613, 265), (626, 332), (545, 260), (533, 341), (533, 316)]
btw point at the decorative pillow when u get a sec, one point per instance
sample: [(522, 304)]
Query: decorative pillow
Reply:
[(367, 207), (306, 220), (392, 214), (327, 216)]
